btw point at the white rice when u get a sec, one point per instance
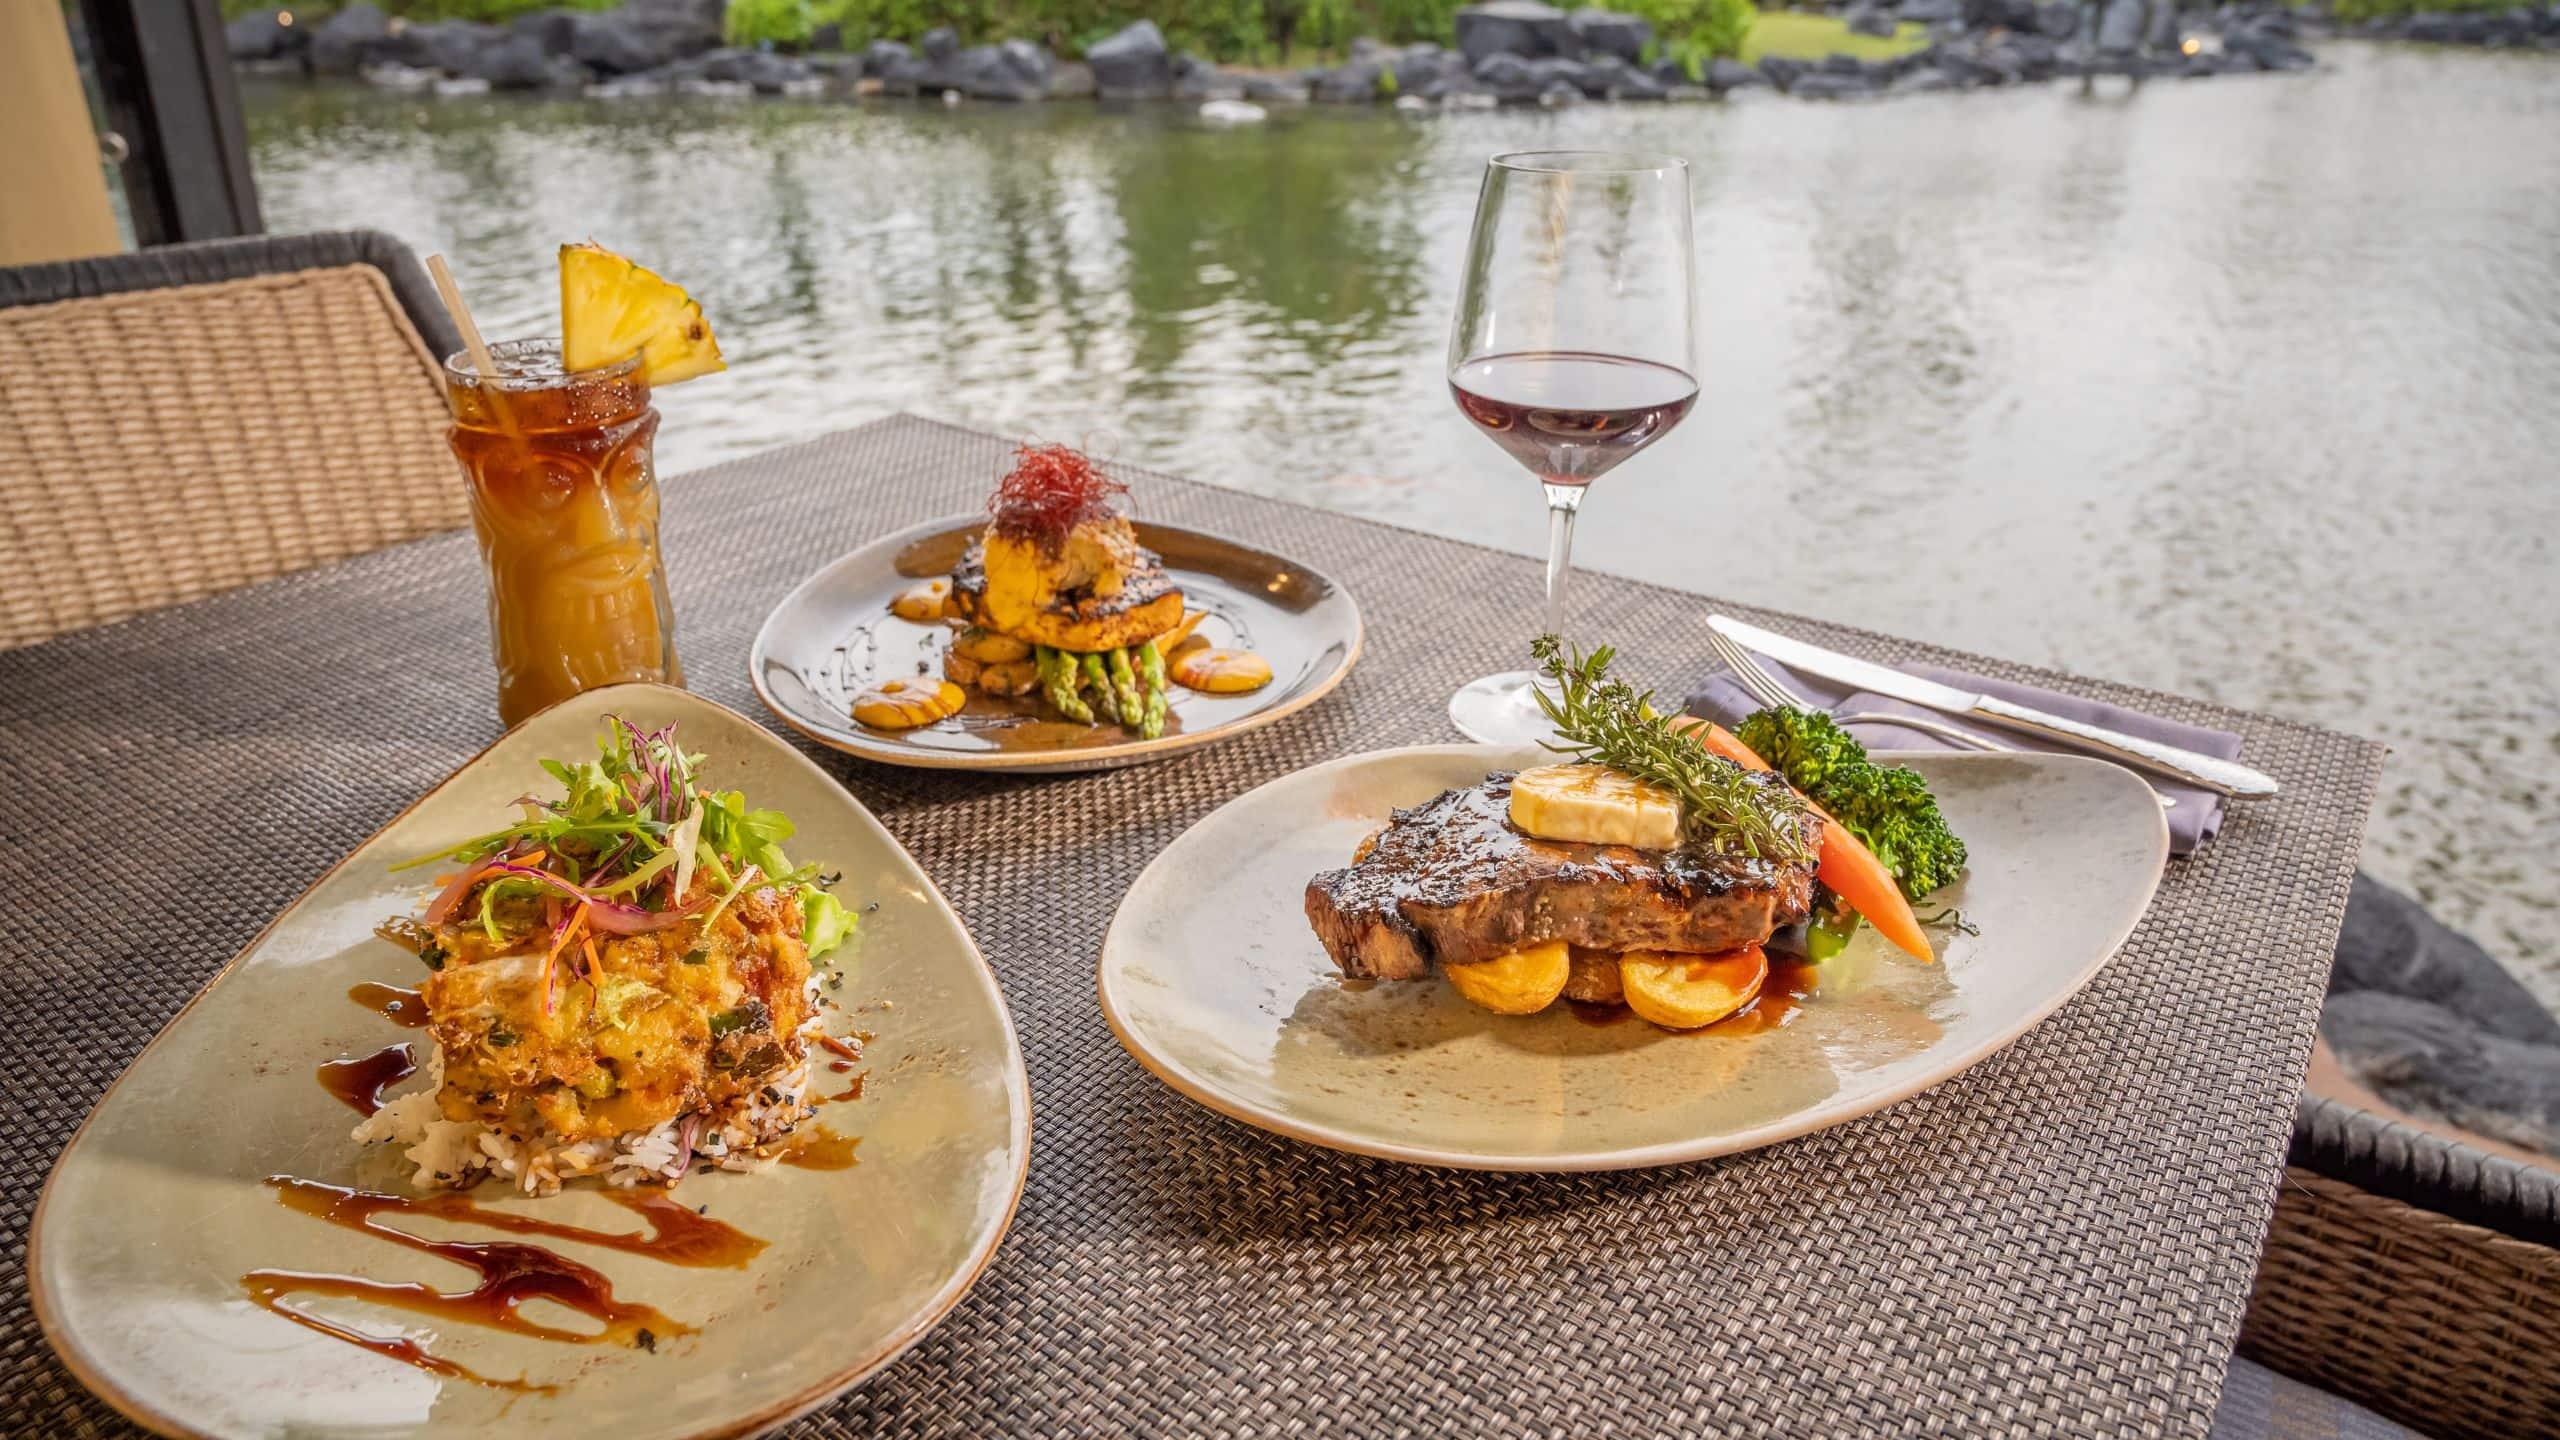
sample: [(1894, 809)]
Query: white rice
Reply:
[(453, 1154)]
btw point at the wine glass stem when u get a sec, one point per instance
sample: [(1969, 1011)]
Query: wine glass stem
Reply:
[(1563, 502)]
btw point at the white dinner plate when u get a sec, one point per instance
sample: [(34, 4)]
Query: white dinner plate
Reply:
[(1212, 978)]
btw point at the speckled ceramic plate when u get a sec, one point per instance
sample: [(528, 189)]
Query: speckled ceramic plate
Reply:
[(834, 636), (158, 1207), (1213, 980)]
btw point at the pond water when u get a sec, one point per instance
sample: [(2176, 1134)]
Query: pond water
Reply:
[(2248, 388)]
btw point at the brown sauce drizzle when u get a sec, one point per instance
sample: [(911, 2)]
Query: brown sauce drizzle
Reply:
[(400, 1007), (361, 1081), (854, 1090), (510, 1274), (819, 1148)]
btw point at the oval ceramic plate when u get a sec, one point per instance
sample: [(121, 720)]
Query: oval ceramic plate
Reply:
[(1213, 980), (834, 637), (159, 1206)]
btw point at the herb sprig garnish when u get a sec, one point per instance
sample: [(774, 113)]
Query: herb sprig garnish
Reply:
[(1605, 722)]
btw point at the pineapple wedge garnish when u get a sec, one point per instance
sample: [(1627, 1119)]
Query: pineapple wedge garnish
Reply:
[(611, 308)]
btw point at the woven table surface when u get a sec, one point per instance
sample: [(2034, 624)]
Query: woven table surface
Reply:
[(2058, 1241)]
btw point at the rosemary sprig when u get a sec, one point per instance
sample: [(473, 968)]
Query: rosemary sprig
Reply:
[(1606, 722)]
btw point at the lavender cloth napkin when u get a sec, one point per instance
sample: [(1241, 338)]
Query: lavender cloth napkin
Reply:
[(2195, 819)]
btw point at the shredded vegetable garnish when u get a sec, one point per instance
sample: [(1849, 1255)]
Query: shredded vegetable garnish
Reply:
[(634, 844), (1051, 490)]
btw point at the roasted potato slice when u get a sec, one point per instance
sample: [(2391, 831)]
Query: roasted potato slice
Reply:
[(1218, 672), (1683, 992), (1523, 982), (905, 703), (959, 669)]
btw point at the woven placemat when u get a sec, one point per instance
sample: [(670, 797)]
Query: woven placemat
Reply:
[(2059, 1241)]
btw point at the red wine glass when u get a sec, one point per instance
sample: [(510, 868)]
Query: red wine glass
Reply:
[(1574, 348)]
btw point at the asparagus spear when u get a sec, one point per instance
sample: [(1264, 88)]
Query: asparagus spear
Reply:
[(1124, 686), (1099, 681), (1058, 680), (1159, 695)]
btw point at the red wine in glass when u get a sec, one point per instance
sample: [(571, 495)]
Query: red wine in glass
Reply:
[(1571, 416)]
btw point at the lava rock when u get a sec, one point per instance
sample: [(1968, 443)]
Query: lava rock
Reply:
[(1724, 74), (675, 29), (355, 37), (940, 45), (1607, 32), (2059, 20), (1514, 27), (1784, 72), (264, 37), (1132, 64), (2000, 14), (2120, 26), (517, 62), (2160, 29), (828, 38), (1196, 77), (2390, 943), (614, 44), (1832, 85), (1427, 70), (1017, 70), (1867, 20), (1507, 79), (2268, 50), (1279, 89), (445, 45), (1931, 12), (1354, 82), (2426, 1059), (1925, 81), (555, 29), (1559, 95), (1550, 71), (1836, 63), (896, 65)]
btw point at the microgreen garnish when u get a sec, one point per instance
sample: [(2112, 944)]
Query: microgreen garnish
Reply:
[(1606, 722), (637, 843)]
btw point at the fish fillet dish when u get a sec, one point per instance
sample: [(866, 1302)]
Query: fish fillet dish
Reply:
[(622, 984)]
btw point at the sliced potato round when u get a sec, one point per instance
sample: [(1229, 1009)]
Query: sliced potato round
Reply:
[(907, 702), (1523, 982), (1219, 672), (1683, 992), (959, 669), (923, 602)]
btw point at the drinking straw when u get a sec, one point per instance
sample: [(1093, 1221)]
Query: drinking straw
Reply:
[(481, 360)]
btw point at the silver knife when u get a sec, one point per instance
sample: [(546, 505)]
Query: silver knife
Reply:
[(2223, 777)]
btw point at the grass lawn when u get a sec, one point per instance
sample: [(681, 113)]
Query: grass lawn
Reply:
[(1794, 36)]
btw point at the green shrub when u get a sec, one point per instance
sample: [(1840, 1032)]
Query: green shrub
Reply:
[(1694, 32), (786, 23)]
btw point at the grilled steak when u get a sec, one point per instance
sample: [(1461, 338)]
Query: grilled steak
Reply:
[(1451, 882)]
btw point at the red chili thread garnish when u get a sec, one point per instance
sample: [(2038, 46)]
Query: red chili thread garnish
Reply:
[(1051, 490)]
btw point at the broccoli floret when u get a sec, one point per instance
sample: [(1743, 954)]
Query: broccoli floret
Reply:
[(1887, 807), (1806, 746)]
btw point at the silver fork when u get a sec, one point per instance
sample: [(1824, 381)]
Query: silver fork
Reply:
[(1768, 689)]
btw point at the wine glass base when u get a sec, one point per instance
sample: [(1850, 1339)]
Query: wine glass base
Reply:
[(1501, 710)]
